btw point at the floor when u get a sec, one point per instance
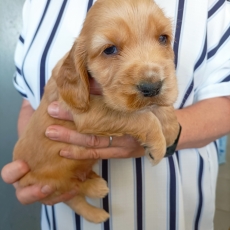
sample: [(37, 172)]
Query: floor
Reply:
[(222, 217)]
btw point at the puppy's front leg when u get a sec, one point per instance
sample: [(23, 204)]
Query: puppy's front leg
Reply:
[(144, 126), (169, 123)]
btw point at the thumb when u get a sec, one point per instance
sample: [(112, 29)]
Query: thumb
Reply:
[(13, 171)]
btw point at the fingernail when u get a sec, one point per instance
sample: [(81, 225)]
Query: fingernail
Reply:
[(53, 109), (65, 153), (46, 189), (52, 133)]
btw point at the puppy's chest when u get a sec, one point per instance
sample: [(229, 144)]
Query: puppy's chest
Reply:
[(97, 120), (102, 120)]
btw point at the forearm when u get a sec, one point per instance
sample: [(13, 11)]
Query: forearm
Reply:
[(24, 116), (204, 122)]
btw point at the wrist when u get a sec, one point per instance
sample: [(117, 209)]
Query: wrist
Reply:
[(171, 149)]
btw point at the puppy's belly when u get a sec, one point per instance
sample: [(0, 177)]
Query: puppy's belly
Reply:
[(42, 156)]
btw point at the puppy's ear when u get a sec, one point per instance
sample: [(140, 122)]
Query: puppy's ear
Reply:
[(73, 79)]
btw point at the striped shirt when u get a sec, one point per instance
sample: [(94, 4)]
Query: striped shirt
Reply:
[(178, 193)]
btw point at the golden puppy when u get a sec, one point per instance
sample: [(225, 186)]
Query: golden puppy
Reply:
[(126, 47)]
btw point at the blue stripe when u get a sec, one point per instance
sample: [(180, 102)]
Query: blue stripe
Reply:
[(215, 143), (198, 63), (227, 79), (215, 8), (43, 15), (187, 94), (176, 47), (222, 40), (53, 218), (44, 55), (172, 194), (15, 80), (203, 54), (139, 193), (90, 3), (200, 193), (105, 200), (178, 158), (217, 148), (178, 29), (24, 95), (47, 215), (18, 70), (21, 39), (78, 222)]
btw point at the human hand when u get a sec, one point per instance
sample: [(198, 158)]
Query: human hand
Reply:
[(97, 147), (14, 171)]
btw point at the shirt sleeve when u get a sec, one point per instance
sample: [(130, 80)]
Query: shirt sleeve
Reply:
[(216, 79), (18, 79)]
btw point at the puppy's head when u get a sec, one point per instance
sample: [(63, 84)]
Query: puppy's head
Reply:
[(126, 47)]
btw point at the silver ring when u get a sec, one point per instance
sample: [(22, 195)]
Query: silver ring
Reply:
[(110, 141)]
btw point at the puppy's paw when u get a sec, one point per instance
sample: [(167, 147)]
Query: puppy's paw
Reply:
[(95, 188), (98, 216), (154, 155), (86, 210)]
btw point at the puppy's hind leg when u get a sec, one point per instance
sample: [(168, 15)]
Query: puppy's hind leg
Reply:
[(84, 209), (94, 186)]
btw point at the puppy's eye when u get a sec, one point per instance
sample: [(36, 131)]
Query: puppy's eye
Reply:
[(110, 50), (163, 39)]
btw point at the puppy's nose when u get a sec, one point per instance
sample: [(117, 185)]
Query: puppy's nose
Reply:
[(149, 89)]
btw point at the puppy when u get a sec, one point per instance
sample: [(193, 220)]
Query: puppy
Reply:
[(126, 47)]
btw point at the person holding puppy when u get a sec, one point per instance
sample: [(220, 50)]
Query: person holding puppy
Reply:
[(178, 193)]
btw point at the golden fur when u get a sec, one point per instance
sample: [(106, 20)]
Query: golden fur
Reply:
[(134, 27)]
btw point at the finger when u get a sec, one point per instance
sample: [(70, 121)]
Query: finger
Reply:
[(123, 141), (61, 198), (13, 171), (60, 133), (55, 110), (33, 193), (103, 153), (121, 147)]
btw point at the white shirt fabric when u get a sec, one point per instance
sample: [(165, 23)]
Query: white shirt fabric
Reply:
[(178, 193)]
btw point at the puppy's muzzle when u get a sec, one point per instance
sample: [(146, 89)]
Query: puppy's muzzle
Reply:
[(149, 89)]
